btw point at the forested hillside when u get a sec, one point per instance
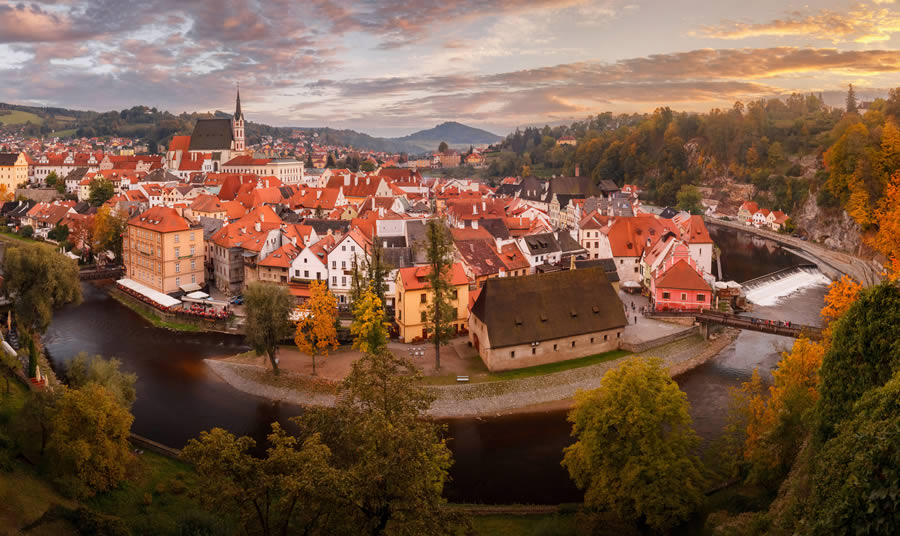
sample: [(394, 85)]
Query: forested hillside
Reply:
[(786, 148)]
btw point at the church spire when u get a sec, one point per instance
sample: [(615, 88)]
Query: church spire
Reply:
[(237, 111)]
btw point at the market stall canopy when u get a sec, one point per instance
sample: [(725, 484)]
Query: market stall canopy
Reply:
[(197, 295), (163, 300), (190, 287)]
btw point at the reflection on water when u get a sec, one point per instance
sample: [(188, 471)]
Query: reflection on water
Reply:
[(510, 459)]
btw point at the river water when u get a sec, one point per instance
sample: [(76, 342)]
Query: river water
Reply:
[(507, 459)]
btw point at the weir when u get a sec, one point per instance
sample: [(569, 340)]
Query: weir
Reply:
[(767, 289)]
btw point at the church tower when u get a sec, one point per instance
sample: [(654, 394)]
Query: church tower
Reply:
[(237, 124)]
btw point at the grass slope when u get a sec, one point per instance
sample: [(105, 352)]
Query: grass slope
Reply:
[(18, 117)]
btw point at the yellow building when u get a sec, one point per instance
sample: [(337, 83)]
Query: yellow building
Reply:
[(13, 171), (414, 296), (163, 251)]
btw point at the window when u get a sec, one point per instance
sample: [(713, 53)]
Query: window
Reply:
[(422, 316), (193, 278), (399, 314), (177, 281), (554, 347), (334, 280), (343, 248), (621, 261), (334, 265), (592, 340), (666, 296), (352, 248), (343, 265), (305, 273), (635, 269), (618, 334), (573, 344), (296, 273), (176, 238), (606, 337), (683, 296), (701, 297), (422, 298), (192, 249), (192, 237), (512, 354), (177, 267), (343, 280), (533, 350), (193, 265), (455, 294)]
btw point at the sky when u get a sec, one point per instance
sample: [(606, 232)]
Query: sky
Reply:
[(396, 66)]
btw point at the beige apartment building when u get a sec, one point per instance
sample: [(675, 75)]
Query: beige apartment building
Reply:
[(13, 170), (163, 251)]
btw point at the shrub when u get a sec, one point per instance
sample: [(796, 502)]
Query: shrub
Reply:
[(26, 231)]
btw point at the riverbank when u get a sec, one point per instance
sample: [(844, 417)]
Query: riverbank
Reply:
[(545, 392)]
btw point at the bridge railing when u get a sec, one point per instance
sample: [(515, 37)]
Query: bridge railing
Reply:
[(745, 322)]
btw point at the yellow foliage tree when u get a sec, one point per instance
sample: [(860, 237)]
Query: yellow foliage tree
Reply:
[(316, 332), (887, 239), (369, 329), (5, 194), (840, 296)]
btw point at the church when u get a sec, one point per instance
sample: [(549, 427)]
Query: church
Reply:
[(212, 143)]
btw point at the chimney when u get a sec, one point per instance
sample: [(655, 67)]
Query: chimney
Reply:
[(257, 226), (346, 180), (577, 169), (483, 207), (318, 194)]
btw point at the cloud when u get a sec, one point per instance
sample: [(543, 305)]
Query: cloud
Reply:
[(20, 23), (861, 24)]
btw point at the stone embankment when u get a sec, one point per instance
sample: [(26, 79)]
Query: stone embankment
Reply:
[(831, 263), (493, 397)]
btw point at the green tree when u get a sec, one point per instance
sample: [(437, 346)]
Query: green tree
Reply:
[(39, 280), (441, 313), (26, 231), (851, 100), (856, 474), (367, 166), (358, 281), (442, 147), (51, 179), (316, 331), (689, 198), (393, 462), (84, 369), (377, 270), (101, 190), (369, 329), (10, 364), (89, 442), (634, 453), (59, 233), (864, 354), (289, 491), (35, 422), (329, 163), (268, 308)]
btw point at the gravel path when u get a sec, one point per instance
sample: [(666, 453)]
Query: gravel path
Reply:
[(487, 397)]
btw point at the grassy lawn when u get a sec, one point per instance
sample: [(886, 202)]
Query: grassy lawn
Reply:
[(18, 117), (13, 237), (152, 318), (524, 525), (67, 133), (550, 368)]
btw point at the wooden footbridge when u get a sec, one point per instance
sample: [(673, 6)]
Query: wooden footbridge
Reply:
[(762, 325)]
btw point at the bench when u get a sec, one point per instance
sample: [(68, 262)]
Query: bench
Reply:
[(462, 379)]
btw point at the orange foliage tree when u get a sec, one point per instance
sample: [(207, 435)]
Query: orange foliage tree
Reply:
[(316, 332), (775, 427), (840, 296), (887, 239)]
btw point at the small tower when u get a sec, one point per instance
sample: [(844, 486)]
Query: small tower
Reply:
[(237, 124)]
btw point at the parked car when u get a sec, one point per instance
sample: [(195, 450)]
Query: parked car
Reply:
[(238, 300)]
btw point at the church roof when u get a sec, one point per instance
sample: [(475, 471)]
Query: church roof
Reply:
[(212, 135)]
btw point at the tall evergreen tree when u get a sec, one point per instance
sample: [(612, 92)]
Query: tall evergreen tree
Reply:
[(851, 101), (377, 270), (441, 313)]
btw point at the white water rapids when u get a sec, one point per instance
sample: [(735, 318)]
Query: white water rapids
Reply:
[(770, 292)]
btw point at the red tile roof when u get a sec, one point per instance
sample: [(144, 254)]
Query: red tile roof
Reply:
[(681, 276), (160, 219), (416, 277)]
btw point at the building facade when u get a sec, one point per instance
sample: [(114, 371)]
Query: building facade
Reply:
[(163, 251), (414, 297)]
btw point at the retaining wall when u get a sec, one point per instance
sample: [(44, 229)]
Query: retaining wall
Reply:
[(653, 343)]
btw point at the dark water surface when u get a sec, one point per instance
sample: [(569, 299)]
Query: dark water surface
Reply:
[(509, 459)]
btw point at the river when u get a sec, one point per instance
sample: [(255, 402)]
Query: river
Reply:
[(508, 459)]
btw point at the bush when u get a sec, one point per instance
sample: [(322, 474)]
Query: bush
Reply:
[(202, 524), (90, 522), (794, 171)]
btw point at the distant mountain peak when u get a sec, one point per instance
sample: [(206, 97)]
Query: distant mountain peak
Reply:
[(452, 132)]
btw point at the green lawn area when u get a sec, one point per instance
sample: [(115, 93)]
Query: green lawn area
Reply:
[(18, 117), (524, 525), (68, 133), (13, 237), (550, 368), (154, 319)]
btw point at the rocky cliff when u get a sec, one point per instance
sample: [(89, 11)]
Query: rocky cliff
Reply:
[(832, 227)]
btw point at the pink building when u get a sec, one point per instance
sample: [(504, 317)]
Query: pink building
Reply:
[(678, 284)]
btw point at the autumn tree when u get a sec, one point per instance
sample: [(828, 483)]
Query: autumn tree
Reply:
[(634, 453), (109, 228), (441, 312), (39, 280), (89, 442), (85, 369), (268, 307), (393, 462), (290, 490), (6, 194), (316, 331), (840, 296), (369, 329), (100, 190), (887, 239)]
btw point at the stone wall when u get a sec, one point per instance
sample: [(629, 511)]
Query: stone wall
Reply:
[(41, 195), (551, 351), (646, 345)]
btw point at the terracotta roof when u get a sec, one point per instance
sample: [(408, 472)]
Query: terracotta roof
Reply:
[(480, 257), (247, 160), (512, 257), (180, 143), (628, 236), (416, 277), (281, 257), (681, 276), (160, 219), (207, 203)]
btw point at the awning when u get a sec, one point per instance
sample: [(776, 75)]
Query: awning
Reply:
[(197, 295), (190, 287), (631, 284), (163, 300)]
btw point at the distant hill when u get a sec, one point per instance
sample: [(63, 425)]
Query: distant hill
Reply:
[(455, 134)]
